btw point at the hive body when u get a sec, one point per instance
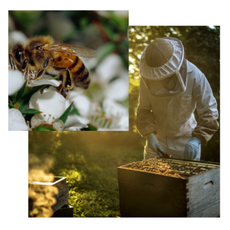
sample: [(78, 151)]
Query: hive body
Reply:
[(170, 194)]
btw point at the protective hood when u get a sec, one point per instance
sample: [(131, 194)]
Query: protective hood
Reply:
[(168, 77)]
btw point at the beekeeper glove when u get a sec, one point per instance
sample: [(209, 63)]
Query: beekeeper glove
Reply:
[(153, 144), (192, 148)]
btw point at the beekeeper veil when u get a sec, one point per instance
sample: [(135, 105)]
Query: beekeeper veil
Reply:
[(163, 67)]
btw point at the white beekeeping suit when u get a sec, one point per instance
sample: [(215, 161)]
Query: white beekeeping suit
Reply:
[(171, 88)]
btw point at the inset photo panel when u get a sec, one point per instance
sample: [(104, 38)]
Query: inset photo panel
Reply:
[(68, 71)]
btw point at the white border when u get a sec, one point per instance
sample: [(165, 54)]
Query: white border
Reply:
[(14, 153)]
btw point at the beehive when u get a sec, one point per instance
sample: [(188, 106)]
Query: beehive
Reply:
[(161, 187), (63, 190)]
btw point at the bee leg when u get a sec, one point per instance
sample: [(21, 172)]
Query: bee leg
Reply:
[(40, 74), (46, 63), (24, 64), (67, 81), (12, 62), (64, 93)]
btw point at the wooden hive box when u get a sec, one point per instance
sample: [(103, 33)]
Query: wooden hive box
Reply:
[(63, 191), (148, 194)]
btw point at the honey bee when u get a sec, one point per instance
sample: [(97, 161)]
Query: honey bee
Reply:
[(41, 54)]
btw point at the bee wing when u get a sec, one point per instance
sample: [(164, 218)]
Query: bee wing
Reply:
[(71, 49)]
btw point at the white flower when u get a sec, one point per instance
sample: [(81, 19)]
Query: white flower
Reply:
[(15, 37), (118, 90), (90, 112), (16, 81), (110, 79), (73, 123), (113, 78), (112, 117), (119, 114), (118, 13), (109, 85), (110, 67), (44, 80), (81, 102), (16, 121), (52, 105)]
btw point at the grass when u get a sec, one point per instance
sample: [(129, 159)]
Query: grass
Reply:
[(89, 161), (90, 169)]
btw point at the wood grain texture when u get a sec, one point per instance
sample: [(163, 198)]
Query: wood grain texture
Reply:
[(204, 194), (145, 194), (63, 193)]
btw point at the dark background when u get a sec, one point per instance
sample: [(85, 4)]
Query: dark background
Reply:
[(202, 48)]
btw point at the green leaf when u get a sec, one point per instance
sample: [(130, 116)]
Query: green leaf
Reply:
[(20, 92), (92, 128), (10, 105), (65, 115), (32, 91), (105, 50), (25, 99), (44, 128), (26, 18), (75, 111), (89, 128), (125, 103), (30, 111), (23, 104), (121, 23)]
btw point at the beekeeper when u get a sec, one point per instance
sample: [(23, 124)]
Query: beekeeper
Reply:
[(171, 89)]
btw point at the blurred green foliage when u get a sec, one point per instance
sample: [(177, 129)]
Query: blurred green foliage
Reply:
[(202, 48)]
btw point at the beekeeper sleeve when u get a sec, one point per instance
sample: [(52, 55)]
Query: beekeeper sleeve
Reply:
[(207, 110), (145, 121)]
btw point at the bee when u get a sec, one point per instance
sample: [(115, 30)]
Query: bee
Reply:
[(41, 54)]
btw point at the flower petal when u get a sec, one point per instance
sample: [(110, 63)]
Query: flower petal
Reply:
[(58, 125), (36, 120), (44, 80), (112, 108), (118, 90), (82, 103), (16, 81), (118, 113), (17, 36), (83, 120), (16, 121), (109, 67), (73, 123), (51, 103)]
